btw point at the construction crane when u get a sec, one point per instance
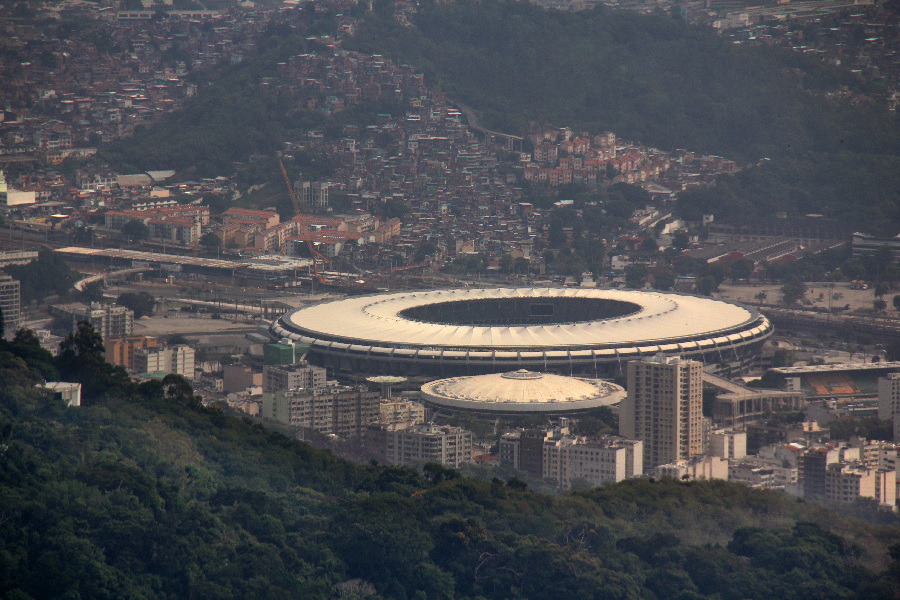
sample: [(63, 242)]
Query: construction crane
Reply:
[(290, 188), (313, 253)]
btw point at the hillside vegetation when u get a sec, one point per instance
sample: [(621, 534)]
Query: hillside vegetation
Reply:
[(657, 81), (652, 79), (143, 493)]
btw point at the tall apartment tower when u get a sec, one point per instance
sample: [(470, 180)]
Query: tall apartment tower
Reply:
[(664, 409), (11, 305), (888, 400)]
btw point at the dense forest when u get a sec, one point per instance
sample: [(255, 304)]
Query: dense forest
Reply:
[(144, 493)]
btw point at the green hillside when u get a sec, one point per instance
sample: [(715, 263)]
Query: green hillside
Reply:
[(651, 79), (655, 80), (660, 82), (143, 493)]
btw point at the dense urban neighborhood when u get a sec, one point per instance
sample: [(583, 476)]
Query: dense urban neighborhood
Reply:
[(357, 299)]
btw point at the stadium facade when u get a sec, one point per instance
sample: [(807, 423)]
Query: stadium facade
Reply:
[(570, 331)]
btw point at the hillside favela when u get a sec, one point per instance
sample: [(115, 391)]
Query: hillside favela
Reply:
[(449, 299)]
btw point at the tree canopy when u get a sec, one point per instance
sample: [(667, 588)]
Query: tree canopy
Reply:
[(144, 493)]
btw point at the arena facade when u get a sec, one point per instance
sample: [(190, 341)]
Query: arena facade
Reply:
[(520, 392), (570, 331)]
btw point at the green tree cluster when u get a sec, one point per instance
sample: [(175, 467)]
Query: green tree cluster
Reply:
[(46, 276), (142, 303)]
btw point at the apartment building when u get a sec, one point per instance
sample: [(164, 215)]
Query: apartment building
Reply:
[(291, 377), (11, 305), (178, 360), (449, 446), (341, 411), (663, 409)]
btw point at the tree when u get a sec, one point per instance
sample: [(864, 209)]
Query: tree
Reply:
[(793, 291), (742, 268), (179, 390), (853, 268), (879, 304), (892, 350), (896, 302), (783, 358), (556, 237), (635, 275), (649, 245), (664, 280), (47, 275), (210, 241), (521, 265), (93, 291), (761, 297), (135, 230), (680, 239), (141, 303), (707, 284), (394, 209)]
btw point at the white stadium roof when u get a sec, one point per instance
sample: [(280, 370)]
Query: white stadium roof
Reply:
[(522, 391), (377, 320), (467, 331)]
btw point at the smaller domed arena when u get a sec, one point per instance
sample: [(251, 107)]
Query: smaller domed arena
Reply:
[(520, 392)]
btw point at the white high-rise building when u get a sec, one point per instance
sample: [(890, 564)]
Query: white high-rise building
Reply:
[(664, 409)]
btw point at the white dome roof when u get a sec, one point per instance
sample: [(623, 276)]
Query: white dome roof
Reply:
[(522, 391)]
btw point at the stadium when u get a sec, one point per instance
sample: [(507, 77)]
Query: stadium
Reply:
[(590, 332), (520, 392)]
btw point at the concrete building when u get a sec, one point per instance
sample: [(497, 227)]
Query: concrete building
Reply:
[(449, 446), (292, 377), (848, 482), (11, 305), (571, 460), (761, 473), (811, 470), (237, 378), (889, 401), (70, 393), (343, 411), (178, 360), (664, 409), (736, 404), (109, 320), (376, 440), (120, 351), (402, 410), (728, 444), (696, 467), (12, 197)]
